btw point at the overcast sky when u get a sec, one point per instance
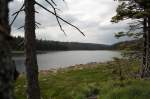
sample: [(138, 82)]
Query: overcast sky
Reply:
[(91, 16)]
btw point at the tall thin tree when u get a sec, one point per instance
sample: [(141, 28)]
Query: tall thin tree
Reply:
[(33, 90)]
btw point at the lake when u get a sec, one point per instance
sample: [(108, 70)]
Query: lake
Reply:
[(61, 59)]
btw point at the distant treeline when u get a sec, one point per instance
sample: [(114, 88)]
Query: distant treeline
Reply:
[(129, 45), (46, 45)]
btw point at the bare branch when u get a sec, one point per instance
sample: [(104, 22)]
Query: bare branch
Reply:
[(36, 12), (56, 17), (54, 2), (52, 5), (20, 27), (58, 9), (17, 14), (36, 26), (38, 23), (60, 18)]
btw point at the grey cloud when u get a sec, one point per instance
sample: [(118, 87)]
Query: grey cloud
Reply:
[(91, 16), (113, 27), (43, 17)]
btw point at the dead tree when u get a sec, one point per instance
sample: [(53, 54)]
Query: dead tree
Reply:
[(33, 90), (6, 64), (30, 42)]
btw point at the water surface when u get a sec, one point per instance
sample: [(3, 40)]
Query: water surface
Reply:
[(61, 59)]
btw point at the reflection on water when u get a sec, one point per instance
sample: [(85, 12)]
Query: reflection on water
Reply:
[(60, 59)]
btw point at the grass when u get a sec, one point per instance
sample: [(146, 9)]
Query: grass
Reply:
[(102, 80)]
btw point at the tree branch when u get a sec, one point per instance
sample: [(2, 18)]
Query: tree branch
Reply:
[(36, 12), (17, 13), (36, 26), (56, 17), (60, 18), (53, 2), (20, 27), (38, 23)]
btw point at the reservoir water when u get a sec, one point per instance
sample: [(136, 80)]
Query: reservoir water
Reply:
[(61, 59)]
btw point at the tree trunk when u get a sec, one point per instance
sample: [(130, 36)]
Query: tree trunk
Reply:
[(6, 64), (33, 90), (144, 64), (148, 56)]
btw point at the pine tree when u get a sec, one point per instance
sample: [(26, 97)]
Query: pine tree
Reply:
[(137, 10)]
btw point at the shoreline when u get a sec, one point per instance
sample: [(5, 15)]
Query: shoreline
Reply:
[(73, 67)]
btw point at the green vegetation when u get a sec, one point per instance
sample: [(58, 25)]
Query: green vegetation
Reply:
[(111, 80), (47, 45), (133, 45)]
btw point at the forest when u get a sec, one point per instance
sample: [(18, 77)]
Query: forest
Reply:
[(125, 77), (47, 45)]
